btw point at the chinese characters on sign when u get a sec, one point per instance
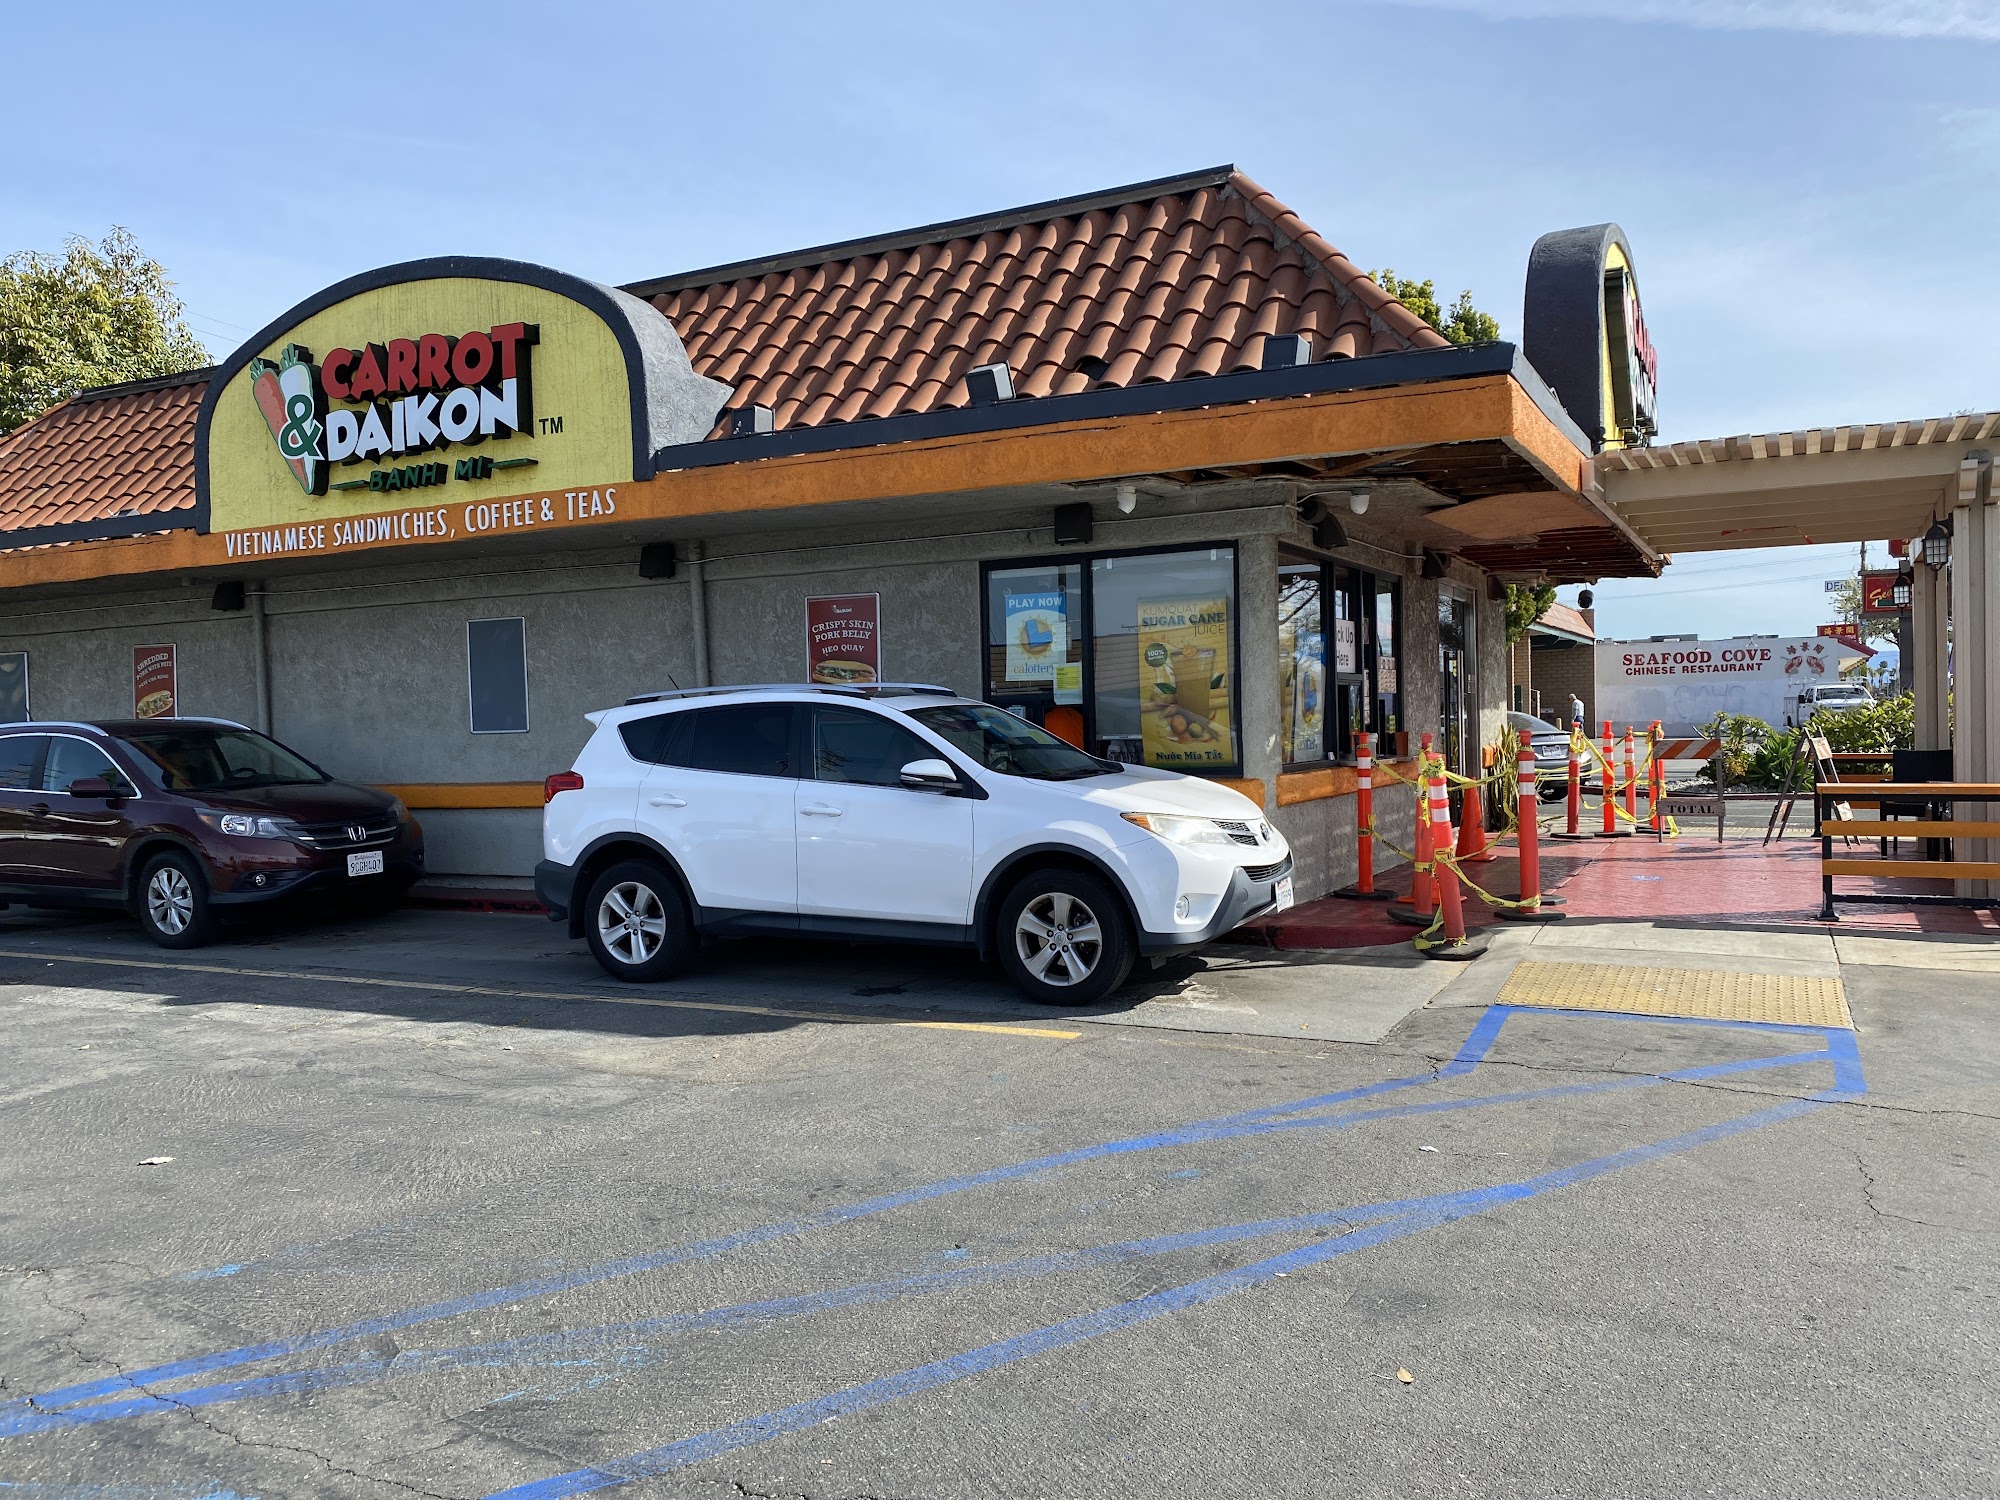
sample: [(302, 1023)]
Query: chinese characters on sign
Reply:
[(152, 682), (844, 639)]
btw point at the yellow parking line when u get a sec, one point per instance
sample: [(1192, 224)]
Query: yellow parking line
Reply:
[(1061, 1036), (498, 992)]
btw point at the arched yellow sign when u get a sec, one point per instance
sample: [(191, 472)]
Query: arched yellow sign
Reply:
[(441, 399)]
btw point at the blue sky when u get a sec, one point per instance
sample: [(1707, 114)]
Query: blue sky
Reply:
[(1809, 185)]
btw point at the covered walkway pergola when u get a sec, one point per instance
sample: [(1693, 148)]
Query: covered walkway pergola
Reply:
[(1855, 484)]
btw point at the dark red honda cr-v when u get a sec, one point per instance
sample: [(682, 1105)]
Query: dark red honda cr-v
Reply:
[(176, 819)]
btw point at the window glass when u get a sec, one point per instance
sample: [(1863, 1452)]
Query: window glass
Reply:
[(190, 759), (1388, 680), (18, 754), (744, 739), (653, 738), (851, 744), (1163, 652), (1035, 639), (999, 741), (71, 759), (13, 687), (496, 666), (1301, 661)]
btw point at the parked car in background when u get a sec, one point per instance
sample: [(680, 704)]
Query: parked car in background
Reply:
[(178, 820), (891, 812), (1551, 747)]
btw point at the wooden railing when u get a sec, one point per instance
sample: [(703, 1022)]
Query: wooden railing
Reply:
[(1830, 793)]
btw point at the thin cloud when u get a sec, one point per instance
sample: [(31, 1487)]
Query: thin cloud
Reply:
[(1956, 20)]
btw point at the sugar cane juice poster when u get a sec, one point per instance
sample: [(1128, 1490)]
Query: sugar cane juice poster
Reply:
[(1184, 679), (1037, 636)]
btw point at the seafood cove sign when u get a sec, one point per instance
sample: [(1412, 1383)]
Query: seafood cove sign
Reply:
[(513, 397), (1684, 684)]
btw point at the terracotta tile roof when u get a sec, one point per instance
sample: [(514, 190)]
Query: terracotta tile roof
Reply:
[(121, 450), (1170, 280)]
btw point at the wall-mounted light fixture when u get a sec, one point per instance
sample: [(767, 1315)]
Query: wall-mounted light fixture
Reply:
[(1899, 595), (1357, 501), (1128, 499), (1286, 351), (988, 385), (1937, 544)]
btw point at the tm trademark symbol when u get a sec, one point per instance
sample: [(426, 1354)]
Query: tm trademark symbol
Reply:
[(550, 424)]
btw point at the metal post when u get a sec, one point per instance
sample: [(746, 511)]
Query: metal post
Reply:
[(698, 611), (260, 666)]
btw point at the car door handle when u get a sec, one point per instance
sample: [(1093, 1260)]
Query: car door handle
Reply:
[(820, 810), (669, 800)]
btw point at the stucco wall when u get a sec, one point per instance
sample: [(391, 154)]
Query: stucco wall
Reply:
[(368, 665)]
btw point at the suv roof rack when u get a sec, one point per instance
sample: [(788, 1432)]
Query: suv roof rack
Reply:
[(854, 690)]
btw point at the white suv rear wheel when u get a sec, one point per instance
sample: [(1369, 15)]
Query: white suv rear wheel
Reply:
[(636, 922)]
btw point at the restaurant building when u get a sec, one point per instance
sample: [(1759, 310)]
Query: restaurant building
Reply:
[(1158, 467)]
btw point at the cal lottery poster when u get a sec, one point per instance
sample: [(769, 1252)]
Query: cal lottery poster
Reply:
[(1037, 636), (1184, 682)]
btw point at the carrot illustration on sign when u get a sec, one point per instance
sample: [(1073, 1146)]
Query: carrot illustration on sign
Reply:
[(287, 394)]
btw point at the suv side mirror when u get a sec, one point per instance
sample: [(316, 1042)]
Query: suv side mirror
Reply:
[(930, 776), (92, 786)]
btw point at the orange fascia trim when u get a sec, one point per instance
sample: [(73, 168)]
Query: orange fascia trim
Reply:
[(1334, 781), (1344, 422), (1400, 417), (483, 795)]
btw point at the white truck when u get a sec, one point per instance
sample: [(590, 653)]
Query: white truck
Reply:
[(1831, 697)]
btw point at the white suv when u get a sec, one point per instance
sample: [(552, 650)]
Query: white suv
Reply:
[(896, 812)]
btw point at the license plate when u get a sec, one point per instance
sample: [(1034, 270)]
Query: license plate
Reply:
[(365, 864), (1282, 893)]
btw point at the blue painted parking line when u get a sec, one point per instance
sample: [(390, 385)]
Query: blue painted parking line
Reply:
[(94, 1402), (808, 1414)]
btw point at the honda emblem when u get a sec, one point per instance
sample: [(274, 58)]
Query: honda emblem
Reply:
[(356, 833)]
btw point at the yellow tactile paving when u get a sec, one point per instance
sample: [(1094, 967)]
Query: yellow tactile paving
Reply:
[(1702, 994)]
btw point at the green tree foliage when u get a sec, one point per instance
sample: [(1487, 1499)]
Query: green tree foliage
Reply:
[(1461, 322), (1890, 724), (1526, 603), (1757, 756), (95, 315)]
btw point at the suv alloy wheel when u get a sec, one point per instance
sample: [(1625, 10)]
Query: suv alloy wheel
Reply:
[(636, 922), (172, 901), (1064, 939)]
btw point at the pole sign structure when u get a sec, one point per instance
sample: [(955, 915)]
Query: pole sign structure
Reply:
[(1584, 330)]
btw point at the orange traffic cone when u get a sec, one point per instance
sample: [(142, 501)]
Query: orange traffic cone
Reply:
[(1472, 843)]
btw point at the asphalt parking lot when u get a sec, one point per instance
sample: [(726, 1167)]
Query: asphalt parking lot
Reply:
[(436, 1210)]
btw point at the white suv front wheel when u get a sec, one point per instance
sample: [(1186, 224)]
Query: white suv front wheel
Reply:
[(636, 922), (1064, 938)]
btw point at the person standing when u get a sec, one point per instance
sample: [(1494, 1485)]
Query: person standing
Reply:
[(1575, 709)]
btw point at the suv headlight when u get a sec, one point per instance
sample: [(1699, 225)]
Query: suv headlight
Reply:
[(244, 826), (1178, 828)]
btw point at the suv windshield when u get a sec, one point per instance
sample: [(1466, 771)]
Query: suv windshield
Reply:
[(1000, 742), (190, 759)]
